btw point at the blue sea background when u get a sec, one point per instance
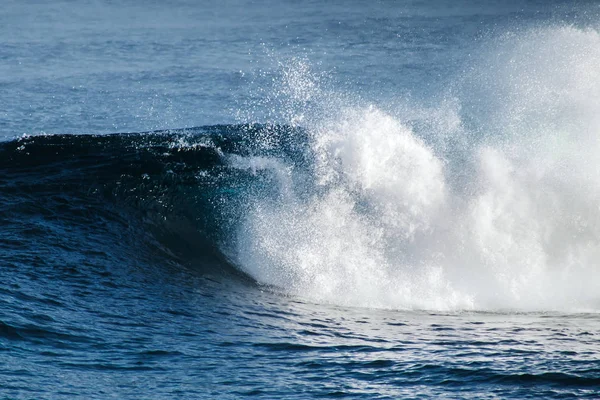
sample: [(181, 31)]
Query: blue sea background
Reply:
[(345, 199)]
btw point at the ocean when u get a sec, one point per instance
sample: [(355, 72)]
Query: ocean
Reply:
[(299, 199)]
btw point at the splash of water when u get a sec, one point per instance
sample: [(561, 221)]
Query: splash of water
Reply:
[(495, 207)]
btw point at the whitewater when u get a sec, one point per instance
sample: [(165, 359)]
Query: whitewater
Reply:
[(464, 207)]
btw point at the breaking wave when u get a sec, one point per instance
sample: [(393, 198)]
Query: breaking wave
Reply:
[(487, 201)]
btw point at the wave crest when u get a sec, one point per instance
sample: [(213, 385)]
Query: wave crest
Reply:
[(498, 210)]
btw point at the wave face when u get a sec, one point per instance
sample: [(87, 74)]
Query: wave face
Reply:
[(173, 191), (486, 200)]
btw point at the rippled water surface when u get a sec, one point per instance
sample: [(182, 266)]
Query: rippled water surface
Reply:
[(201, 338)]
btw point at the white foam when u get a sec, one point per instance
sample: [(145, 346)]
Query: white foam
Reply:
[(388, 223)]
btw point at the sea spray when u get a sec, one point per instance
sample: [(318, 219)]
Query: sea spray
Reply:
[(501, 212)]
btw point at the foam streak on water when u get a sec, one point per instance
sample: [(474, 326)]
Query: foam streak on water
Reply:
[(494, 208)]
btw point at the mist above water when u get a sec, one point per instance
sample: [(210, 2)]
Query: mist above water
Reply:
[(489, 201)]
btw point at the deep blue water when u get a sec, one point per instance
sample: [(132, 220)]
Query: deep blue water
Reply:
[(299, 200)]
